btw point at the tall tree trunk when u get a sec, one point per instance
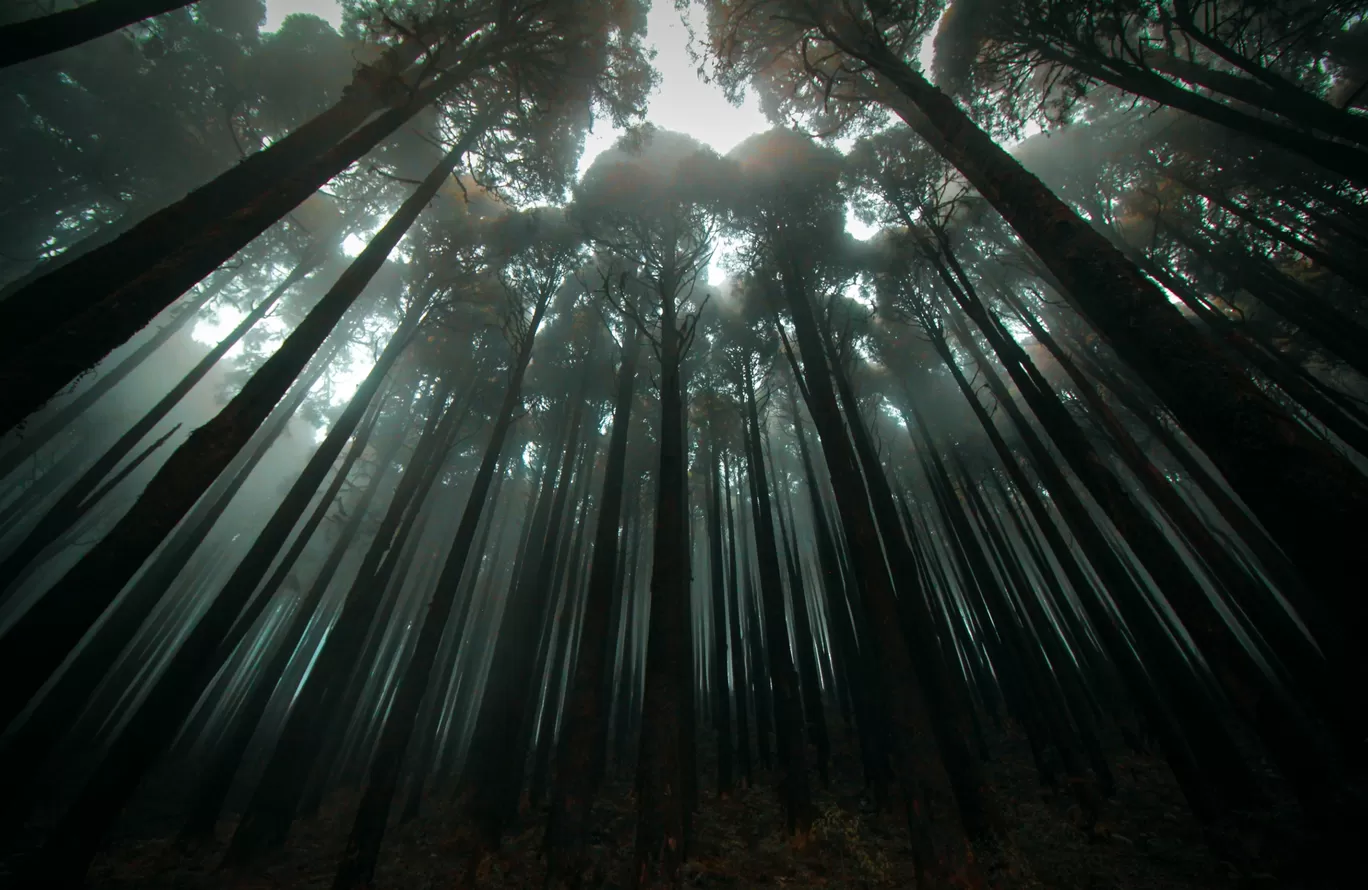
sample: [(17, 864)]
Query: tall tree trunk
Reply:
[(1280, 722), (59, 620), (76, 499), (76, 837), (722, 706), (357, 866), (34, 441), (1309, 497), (70, 323), (496, 759), (266, 820), (740, 679), (128, 613), (855, 659), (662, 806), (788, 709), (911, 743), (580, 759), (1218, 767), (228, 752)]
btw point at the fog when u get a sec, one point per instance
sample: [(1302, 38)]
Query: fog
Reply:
[(625, 444)]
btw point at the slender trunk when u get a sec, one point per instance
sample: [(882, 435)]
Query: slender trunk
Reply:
[(580, 759), (740, 679), (1213, 750), (266, 820), (149, 731), (228, 752), (722, 706), (77, 498), (912, 746), (35, 441), (58, 621), (788, 709), (357, 866), (70, 323), (128, 613), (1309, 497), (496, 761)]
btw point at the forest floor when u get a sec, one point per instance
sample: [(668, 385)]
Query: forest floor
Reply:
[(1144, 840)]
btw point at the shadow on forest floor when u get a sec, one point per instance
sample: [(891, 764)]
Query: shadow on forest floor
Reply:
[(1145, 840)]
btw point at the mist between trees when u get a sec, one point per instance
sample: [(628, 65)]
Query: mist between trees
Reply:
[(358, 449)]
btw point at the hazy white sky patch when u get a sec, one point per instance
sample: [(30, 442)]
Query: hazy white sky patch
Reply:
[(277, 10)]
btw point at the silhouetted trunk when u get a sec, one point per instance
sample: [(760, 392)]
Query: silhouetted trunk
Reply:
[(740, 679), (788, 710), (580, 758), (128, 613), (1219, 768), (76, 499), (149, 731), (814, 707), (662, 806), (1309, 497), (387, 586), (75, 315), (718, 678), (58, 621), (1281, 724), (218, 774), (357, 866), (854, 660), (34, 441), (944, 695), (496, 761), (1294, 104), (266, 819), (912, 744), (57, 31)]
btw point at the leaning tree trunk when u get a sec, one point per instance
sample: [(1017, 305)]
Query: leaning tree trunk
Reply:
[(68, 324), (911, 744), (1307, 495), (496, 762), (58, 621), (359, 856), (52, 33), (35, 441), (149, 731), (740, 679), (266, 820), (76, 499), (261, 685)]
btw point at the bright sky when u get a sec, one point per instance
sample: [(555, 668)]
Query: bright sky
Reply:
[(682, 102)]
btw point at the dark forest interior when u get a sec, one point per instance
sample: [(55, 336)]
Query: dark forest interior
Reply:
[(440, 449)]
